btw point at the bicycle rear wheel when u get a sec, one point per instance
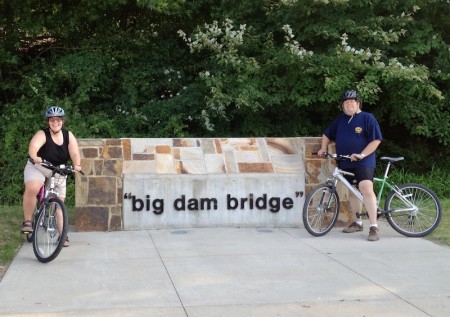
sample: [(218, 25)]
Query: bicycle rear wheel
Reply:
[(424, 212), (50, 230), (320, 210)]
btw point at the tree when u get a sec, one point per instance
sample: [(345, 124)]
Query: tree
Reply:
[(160, 68), (292, 62)]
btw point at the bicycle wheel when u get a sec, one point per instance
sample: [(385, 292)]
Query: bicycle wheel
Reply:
[(320, 210), (417, 218), (50, 230)]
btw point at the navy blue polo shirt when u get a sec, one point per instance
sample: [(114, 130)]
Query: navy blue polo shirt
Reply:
[(352, 134)]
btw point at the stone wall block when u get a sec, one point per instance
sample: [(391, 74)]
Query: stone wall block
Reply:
[(98, 167), (81, 190), (88, 166), (115, 223), (91, 143), (311, 148), (313, 171), (113, 142), (91, 218), (126, 149), (102, 190), (112, 152), (281, 145), (143, 157), (119, 189), (112, 167), (218, 146), (90, 152), (186, 143), (230, 160), (208, 146), (163, 149), (255, 168)]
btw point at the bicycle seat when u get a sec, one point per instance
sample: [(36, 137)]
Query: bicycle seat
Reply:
[(392, 159)]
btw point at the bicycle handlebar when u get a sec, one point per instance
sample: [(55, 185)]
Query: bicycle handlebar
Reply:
[(336, 157), (61, 169)]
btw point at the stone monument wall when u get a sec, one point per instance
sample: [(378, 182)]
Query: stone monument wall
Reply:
[(190, 165)]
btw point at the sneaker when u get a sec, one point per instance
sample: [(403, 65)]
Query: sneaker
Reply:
[(373, 234), (353, 228)]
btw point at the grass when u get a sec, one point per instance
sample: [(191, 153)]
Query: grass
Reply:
[(11, 239), (441, 235)]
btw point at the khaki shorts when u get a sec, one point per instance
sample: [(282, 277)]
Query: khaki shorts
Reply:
[(36, 172)]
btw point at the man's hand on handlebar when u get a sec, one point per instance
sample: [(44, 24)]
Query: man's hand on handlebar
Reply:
[(322, 152), (356, 157)]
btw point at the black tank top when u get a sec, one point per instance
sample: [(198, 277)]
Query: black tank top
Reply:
[(54, 153)]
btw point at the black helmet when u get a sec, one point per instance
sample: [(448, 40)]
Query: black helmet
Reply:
[(350, 94)]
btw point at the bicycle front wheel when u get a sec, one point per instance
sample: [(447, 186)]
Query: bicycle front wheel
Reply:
[(50, 230), (320, 210), (414, 213)]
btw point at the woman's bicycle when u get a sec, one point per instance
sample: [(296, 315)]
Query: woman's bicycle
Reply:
[(411, 209), (50, 219)]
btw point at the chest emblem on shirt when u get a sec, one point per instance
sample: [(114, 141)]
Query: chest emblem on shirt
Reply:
[(358, 130)]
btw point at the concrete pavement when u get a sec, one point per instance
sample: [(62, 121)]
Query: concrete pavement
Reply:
[(231, 272)]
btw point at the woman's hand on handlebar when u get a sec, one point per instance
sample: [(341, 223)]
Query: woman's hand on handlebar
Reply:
[(36, 160)]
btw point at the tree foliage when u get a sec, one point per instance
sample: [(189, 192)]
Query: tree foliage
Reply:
[(166, 68)]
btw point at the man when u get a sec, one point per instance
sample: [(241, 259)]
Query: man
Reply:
[(356, 133)]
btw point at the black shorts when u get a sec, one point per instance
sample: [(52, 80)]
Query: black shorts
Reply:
[(361, 174)]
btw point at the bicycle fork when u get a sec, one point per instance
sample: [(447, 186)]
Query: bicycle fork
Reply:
[(325, 206)]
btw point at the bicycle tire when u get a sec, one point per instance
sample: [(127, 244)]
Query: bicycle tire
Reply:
[(420, 222), (317, 219), (47, 239)]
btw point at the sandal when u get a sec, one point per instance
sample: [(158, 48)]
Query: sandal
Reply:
[(27, 227), (66, 242)]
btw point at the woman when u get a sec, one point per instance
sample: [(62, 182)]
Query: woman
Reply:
[(53, 144)]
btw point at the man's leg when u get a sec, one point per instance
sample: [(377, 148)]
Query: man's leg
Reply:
[(370, 202), (356, 207)]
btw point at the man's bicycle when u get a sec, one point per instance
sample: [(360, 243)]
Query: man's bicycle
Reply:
[(411, 209), (50, 219)]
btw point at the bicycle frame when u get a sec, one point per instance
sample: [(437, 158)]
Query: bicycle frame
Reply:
[(338, 176)]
